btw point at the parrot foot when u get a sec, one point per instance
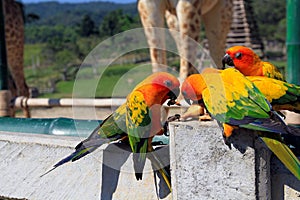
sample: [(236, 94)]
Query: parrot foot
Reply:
[(166, 124), (226, 141), (194, 111), (205, 117)]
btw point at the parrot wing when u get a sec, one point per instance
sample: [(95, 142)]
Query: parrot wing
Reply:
[(111, 129), (238, 102), (235, 100), (282, 95)]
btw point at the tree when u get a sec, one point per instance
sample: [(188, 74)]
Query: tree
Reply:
[(86, 27), (270, 14), (115, 22)]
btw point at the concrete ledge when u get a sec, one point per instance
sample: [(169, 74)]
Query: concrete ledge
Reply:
[(105, 174), (203, 167)]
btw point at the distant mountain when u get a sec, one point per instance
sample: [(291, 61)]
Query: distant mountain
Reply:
[(68, 14)]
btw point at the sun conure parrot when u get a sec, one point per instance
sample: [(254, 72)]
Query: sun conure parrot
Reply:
[(282, 96), (248, 63), (234, 101), (138, 120)]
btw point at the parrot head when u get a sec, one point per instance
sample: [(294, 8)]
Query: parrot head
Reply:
[(163, 85), (242, 58), (192, 88)]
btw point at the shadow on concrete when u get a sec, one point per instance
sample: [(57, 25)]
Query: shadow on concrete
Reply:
[(111, 169), (284, 184), (271, 174), (164, 154)]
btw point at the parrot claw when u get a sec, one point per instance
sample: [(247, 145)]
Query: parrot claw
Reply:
[(173, 118), (170, 119), (173, 102), (226, 141)]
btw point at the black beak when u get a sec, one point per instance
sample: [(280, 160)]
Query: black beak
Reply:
[(227, 60), (173, 94)]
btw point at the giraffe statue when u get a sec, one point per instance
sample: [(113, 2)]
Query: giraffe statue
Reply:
[(14, 35), (185, 17)]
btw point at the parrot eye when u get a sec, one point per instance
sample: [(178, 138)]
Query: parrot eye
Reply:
[(238, 55), (168, 83)]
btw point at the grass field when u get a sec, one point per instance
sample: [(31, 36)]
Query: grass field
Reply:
[(116, 81)]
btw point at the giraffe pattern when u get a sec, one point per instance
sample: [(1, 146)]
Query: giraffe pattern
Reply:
[(185, 17), (14, 35)]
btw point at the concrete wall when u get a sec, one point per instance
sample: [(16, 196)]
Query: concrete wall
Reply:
[(202, 167)]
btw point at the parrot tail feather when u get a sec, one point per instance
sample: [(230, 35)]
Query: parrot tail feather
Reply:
[(158, 166), (73, 157), (81, 150), (138, 165), (284, 154), (294, 130)]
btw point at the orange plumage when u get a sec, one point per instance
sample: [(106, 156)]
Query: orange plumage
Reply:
[(248, 63)]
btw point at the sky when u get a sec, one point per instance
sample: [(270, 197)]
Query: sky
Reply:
[(78, 1)]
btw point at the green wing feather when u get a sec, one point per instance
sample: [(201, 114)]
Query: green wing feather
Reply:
[(279, 93), (236, 98), (284, 154), (111, 129)]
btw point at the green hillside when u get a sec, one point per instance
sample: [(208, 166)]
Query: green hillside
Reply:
[(67, 14), (61, 35)]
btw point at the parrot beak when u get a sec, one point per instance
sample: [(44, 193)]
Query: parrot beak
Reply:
[(227, 60), (173, 94)]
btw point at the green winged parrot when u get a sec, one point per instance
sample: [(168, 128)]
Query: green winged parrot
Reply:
[(138, 120)]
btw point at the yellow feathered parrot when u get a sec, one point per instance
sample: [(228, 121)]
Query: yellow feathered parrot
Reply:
[(282, 95), (137, 120), (235, 102), (248, 63)]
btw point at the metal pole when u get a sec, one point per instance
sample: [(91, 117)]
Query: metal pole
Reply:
[(293, 41)]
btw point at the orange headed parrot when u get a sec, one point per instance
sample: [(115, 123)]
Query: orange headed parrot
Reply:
[(282, 95), (138, 120), (235, 102), (248, 63)]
